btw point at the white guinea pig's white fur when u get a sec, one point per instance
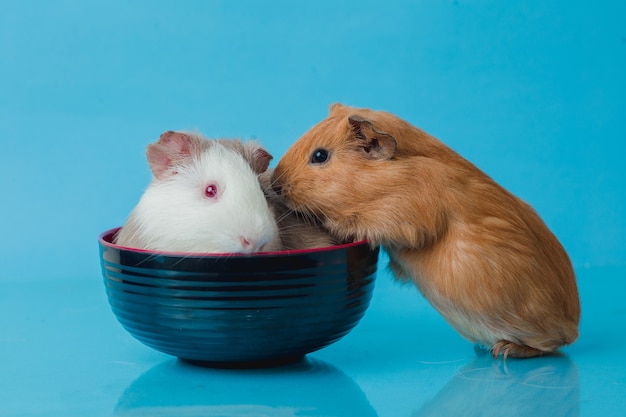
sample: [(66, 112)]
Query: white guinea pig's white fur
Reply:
[(174, 215)]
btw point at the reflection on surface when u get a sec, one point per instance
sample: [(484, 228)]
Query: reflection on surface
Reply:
[(546, 386), (308, 388)]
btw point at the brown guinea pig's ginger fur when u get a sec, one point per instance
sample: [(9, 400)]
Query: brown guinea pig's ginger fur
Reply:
[(480, 255)]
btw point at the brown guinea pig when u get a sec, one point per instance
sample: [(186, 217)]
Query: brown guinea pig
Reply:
[(481, 256)]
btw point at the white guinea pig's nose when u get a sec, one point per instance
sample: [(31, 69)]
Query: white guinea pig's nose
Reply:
[(245, 243), (250, 245)]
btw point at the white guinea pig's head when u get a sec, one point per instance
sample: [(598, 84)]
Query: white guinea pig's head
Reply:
[(205, 197)]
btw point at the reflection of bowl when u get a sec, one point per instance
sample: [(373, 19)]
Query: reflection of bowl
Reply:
[(238, 310), (307, 388)]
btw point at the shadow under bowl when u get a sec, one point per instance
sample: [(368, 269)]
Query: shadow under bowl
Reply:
[(237, 310)]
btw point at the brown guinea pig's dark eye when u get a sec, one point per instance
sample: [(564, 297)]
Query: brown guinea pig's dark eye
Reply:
[(320, 156)]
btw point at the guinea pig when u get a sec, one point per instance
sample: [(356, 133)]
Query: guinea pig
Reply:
[(481, 256), (295, 230), (205, 197)]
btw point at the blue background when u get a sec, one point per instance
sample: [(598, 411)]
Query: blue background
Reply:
[(533, 92)]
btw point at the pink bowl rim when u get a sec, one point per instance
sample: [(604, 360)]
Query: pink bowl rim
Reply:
[(114, 230)]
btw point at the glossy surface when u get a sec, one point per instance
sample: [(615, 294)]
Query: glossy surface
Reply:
[(63, 353), (532, 92), (238, 310)]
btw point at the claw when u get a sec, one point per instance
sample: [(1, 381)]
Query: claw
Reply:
[(514, 350)]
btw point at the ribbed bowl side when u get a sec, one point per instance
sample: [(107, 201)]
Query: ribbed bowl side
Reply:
[(239, 309)]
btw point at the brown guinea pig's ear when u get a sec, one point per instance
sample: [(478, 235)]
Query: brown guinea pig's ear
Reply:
[(372, 143), (335, 108), (171, 148)]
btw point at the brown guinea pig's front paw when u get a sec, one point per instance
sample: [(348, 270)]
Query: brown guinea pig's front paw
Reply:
[(514, 350)]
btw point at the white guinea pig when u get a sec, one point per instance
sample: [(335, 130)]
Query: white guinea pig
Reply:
[(205, 197)]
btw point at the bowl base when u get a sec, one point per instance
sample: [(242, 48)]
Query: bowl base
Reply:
[(264, 363)]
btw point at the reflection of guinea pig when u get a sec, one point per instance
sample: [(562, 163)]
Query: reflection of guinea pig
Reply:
[(481, 256), (542, 387), (205, 197), (296, 231)]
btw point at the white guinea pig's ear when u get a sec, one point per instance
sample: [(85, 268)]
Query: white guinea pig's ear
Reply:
[(258, 158), (370, 142), (170, 149)]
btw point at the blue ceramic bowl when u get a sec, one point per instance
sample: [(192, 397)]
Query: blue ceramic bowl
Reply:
[(238, 310)]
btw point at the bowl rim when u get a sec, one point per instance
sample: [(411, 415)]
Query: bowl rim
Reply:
[(102, 239)]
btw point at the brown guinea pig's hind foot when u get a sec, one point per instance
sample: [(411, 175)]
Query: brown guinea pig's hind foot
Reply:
[(514, 350)]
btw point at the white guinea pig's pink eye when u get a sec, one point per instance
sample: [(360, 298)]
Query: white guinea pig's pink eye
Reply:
[(210, 191)]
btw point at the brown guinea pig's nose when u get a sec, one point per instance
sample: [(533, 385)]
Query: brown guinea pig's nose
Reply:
[(278, 189), (276, 184)]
